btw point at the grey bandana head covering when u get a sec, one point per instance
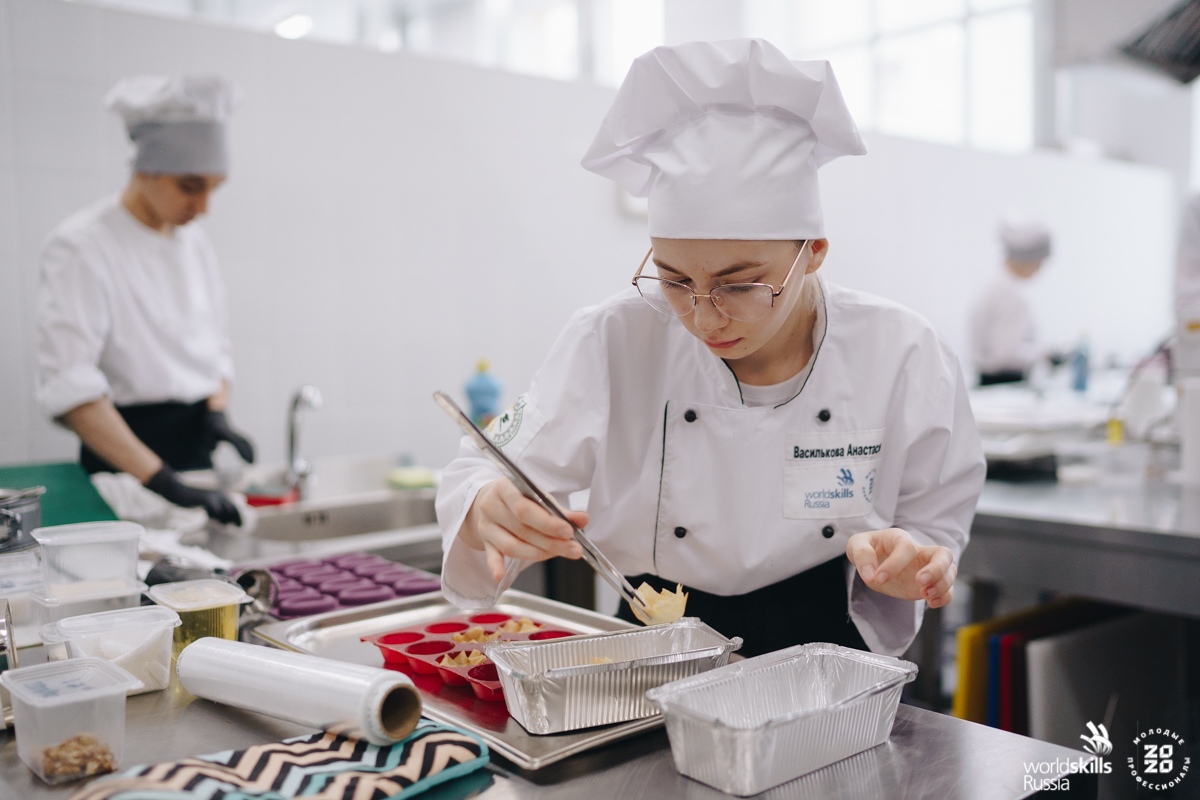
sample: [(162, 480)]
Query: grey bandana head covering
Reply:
[(177, 123)]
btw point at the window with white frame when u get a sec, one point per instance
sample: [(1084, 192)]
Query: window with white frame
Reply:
[(953, 71)]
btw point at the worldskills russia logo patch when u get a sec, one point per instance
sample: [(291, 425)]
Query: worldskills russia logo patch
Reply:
[(1055, 776)]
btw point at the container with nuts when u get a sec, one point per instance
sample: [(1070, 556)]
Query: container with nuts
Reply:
[(69, 716)]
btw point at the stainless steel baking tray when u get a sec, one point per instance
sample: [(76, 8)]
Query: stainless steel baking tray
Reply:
[(566, 684), (749, 726), (336, 635)]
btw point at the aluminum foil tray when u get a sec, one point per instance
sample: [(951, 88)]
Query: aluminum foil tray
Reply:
[(752, 725), (563, 685), (339, 635)]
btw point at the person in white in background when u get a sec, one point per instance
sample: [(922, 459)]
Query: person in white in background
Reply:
[(1186, 353), (1004, 343), (133, 349), (802, 457)]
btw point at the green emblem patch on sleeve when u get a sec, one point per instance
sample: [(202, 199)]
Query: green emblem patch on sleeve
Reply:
[(505, 426)]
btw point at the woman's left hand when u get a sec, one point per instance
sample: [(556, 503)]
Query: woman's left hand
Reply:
[(890, 562)]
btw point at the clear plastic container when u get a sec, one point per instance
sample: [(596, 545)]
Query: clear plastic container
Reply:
[(88, 558), (48, 609), (69, 716), (136, 639), (21, 574), (206, 607)]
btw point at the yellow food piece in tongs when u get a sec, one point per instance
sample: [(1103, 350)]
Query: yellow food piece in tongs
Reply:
[(661, 607), (522, 625), (471, 659), (476, 634)]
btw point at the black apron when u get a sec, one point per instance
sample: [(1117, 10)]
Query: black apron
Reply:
[(1001, 376), (809, 607), (174, 431)]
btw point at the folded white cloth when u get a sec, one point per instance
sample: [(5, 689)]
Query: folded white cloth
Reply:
[(167, 543), (130, 500), (167, 525)]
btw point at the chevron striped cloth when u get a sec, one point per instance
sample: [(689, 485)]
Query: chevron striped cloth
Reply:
[(320, 766)]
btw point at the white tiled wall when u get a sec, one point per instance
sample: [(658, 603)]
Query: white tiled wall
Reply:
[(390, 219)]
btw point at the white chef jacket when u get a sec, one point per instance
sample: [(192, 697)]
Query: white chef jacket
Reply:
[(1003, 332), (635, 408), (128, 313)]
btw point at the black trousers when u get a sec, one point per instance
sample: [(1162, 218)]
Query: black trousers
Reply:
[(808, 607), (174, 431), (1003, 376)]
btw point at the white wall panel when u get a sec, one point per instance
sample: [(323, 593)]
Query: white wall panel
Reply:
[(55, 40), (917, 222), (15, 390), (133, 44), (57, 122)]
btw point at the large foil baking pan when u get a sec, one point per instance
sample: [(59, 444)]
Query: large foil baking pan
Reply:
[(555, 685), (755, 724)]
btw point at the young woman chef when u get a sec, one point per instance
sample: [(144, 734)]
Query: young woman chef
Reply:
[(801, 457)]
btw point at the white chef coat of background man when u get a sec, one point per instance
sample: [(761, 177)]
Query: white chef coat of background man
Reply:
[(1004, 341), (746, 439), (133, 348)]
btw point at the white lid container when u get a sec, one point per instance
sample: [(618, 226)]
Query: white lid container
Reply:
[(69, 716), (136, 639), (206, 607), (198, 595), (88, 557)]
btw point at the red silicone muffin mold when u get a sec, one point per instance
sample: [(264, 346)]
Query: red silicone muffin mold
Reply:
[(421, 648)]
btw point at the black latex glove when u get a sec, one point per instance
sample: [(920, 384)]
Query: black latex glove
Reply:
[(218, 429), (219, 507)]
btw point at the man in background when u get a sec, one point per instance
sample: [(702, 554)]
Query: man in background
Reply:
[(133, 349), (1003, 332)]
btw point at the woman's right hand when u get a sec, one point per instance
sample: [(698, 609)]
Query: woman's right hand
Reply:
[(503, 522)]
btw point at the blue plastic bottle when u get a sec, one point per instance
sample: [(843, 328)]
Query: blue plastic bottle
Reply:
[(483, 394), (1079, 366)]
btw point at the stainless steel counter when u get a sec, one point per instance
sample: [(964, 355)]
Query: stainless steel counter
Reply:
[(1137, 544), (928, 756)]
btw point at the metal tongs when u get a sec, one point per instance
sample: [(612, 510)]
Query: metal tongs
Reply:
[(591, 554)]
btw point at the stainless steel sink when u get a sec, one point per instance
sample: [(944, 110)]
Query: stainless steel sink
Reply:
[(347, 515), (348, 508)]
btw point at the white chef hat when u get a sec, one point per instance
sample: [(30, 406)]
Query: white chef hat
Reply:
[(724, 139), (177, 122), (1024, 238)]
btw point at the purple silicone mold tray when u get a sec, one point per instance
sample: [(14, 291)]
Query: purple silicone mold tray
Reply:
[(352, 579)]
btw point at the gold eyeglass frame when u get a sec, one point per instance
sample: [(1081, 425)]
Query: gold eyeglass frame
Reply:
[(696, 295)]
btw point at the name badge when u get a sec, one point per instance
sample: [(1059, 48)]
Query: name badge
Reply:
[(831, 475), (821, 448)]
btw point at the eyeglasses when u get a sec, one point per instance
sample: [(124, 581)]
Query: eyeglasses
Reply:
[(746, 302)]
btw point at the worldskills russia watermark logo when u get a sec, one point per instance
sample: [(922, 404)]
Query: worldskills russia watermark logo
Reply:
[(1157, 763), (1050, 776)]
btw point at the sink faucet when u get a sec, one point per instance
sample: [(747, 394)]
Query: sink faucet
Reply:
[(299, 469)]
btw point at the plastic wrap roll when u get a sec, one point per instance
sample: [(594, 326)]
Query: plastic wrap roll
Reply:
[(351, 699)]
